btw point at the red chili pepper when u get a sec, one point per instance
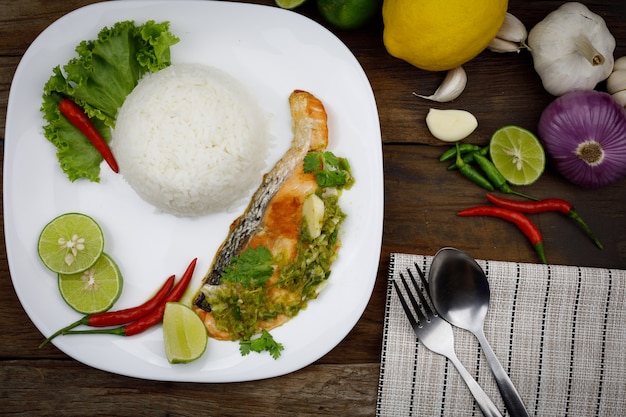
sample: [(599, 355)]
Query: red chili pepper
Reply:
[(79, 119), (116, 318), (527, 227), (154, 317), (542, 206)]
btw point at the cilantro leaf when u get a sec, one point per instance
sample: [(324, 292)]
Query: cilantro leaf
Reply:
[(265, 342), (328, 169), (330, 160), (252, 268), (312, 162), (328, 179)]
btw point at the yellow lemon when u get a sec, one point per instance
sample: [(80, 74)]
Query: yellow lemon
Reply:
[(438, 35)]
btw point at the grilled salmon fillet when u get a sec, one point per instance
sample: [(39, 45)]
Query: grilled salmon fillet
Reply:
[(273, 220)]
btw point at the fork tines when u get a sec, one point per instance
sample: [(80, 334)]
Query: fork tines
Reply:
[(427, 311)]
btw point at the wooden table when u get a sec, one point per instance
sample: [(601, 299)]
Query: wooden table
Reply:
[(421, 199)]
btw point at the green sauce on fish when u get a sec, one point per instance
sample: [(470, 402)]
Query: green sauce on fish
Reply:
[(238, 309)]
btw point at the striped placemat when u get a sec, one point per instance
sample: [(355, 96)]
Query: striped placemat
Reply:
[(559, 332)]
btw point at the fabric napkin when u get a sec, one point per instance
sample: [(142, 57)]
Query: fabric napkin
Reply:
[(559, 332)]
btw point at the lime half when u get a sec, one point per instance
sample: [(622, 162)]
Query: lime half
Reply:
[(289, 4), (184, 334), (70, 243), (94, 290), (518, 155)]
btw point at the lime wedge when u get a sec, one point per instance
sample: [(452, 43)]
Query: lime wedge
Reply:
[(184, 334), (70, 243), (289, 4), (518, 155), (94, 290)]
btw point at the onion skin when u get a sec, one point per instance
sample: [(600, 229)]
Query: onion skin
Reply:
[(586, 120)]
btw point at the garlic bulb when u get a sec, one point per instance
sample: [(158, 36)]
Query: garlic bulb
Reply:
[(451, 87), (511, 37), (572, 49), (616, 83)]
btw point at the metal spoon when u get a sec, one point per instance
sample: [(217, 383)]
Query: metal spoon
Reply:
[(460, 292)]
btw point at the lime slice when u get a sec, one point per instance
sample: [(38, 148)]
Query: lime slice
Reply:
[(289, 4), (94, 290), (70, 243), (184, 334), (518, 155)]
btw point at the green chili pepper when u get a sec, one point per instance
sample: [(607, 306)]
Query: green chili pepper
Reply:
[(469, 157), (463, 149), (468, 171), (496, 177)]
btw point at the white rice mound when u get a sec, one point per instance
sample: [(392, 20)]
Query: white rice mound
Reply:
[(191, 140)]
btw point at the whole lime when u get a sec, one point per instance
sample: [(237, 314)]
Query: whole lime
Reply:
[(289, 4), (348, 14)]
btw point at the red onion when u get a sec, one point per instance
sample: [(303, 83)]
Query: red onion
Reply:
[(584, 133)]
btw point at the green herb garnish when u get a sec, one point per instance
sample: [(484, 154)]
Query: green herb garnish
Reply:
[(329, 170), (98, 80), (265, 342), (252, 268), (244, 297)]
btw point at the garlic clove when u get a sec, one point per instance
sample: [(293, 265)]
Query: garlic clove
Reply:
[(313, 213), (452, 86), (620, 97), (616, 81), (619, 64), (512, 29), (450, 125), (504, 46), (511, 37)]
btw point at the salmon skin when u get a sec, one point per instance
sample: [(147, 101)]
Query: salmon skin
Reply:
[(310, 133)]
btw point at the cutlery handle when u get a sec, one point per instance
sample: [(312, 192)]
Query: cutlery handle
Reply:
[(485, 404), (510, 396)]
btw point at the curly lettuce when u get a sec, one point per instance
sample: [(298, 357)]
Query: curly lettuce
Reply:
[(105, 71)]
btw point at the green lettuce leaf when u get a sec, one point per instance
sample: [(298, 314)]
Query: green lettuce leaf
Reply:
[(99, 79), (77, 157)]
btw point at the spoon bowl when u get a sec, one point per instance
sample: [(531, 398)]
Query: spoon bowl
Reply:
[(459, 289), (460, 293)]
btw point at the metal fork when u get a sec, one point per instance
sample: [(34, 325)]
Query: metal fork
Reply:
[(436, 334)]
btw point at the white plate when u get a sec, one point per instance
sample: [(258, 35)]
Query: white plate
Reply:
[(273, 52)]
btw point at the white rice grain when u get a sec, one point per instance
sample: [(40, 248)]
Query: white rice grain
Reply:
[(191, 140)]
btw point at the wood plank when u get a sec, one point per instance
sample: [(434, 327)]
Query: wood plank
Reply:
[(48, 387), (422, 198)]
